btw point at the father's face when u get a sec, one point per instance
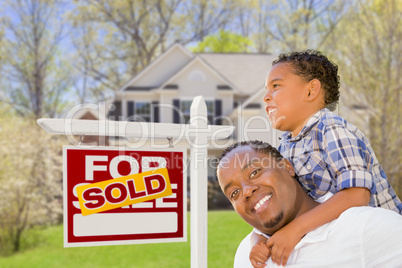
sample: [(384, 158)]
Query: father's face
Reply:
[(261, 190)]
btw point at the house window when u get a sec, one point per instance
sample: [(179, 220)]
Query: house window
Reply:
[(210, 111), (139, 111), (143, 111), (185, 108)]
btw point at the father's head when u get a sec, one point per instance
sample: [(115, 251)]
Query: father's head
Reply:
[(260, 184)]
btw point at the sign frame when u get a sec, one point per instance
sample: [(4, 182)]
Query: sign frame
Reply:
[(66, 226)]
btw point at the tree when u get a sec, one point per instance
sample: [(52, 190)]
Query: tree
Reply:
[(290, 25), (117, 39), (369, 51), (224, 41), (34, 79), (200, 18), (30, 179), (114, 40)]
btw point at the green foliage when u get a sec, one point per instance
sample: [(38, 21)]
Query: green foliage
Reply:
[(115, 40), (225, 231), (224, 42), (368, 50)]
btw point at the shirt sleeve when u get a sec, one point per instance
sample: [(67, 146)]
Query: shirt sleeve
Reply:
[(348, 157), (241, 259)]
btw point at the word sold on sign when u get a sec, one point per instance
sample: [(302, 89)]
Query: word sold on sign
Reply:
[(123, 191)]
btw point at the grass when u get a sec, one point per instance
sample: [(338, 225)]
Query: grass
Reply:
[(225, 231)]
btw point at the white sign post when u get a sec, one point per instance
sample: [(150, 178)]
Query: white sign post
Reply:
[(197, 132), (199, 185)]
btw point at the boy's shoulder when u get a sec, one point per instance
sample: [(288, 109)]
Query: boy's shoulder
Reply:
[(322, 124), (329, 120)]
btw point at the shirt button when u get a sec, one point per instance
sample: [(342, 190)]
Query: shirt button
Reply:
[(308, 167)]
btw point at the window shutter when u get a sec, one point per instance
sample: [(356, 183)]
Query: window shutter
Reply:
[(155, 111), (176, 114), (218, 112), (130, 111), (130, 108), (116, 113)]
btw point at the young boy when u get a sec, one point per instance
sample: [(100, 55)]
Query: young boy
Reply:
[(328, 153)]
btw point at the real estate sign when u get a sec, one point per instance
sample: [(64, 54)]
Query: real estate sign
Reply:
[(115, 196)]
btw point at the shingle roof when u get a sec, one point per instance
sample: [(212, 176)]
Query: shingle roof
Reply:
[(246, 71)]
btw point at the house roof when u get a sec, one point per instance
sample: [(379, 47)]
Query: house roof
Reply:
[(227, 85), (246, 72), (154, 63)]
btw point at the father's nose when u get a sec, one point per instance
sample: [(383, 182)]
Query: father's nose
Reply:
[(249, 190)]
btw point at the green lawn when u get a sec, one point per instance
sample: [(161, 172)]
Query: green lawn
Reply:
[(225, 230)]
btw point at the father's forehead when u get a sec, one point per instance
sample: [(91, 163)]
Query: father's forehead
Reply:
[(242, 157), (236, 154)]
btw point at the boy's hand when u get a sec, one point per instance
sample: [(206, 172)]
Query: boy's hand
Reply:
[(259, 254), (282, 243)]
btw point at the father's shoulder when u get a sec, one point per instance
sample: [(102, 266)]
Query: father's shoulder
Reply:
[(242, 254), (379, 235), (370, 217)]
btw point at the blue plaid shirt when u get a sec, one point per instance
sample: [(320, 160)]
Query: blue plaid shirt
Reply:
[(330, 154)]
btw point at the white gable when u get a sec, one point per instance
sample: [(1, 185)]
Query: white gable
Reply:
[(198, 78), (164, 67), (247, 72)]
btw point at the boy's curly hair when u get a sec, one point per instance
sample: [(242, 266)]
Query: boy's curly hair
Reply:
[(312, 64)]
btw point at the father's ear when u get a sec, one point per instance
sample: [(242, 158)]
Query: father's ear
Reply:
[(288, 166)]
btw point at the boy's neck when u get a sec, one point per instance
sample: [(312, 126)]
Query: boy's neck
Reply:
[(299, 128)]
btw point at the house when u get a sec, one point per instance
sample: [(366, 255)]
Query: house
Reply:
[(232, 85)]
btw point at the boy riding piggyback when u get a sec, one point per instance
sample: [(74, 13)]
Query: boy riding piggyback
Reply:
[(328, 153)]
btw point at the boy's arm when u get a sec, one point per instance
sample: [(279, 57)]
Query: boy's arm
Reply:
[(259, 252), (285, 239)]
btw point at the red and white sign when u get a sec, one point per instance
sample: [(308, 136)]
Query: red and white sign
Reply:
[(154, 221)]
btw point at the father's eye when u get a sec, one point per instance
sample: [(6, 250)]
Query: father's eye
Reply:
[(234, 193), (255, 172)]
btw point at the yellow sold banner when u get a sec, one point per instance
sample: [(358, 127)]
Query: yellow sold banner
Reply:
[(123, 191)]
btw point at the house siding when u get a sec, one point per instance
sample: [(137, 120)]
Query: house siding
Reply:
[(180, 76)]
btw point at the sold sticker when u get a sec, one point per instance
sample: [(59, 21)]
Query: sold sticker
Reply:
[(124, 191)]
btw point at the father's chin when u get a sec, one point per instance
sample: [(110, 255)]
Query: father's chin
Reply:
[(273, 224)]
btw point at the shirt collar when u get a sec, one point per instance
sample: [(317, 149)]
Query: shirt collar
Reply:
[(287, 136)]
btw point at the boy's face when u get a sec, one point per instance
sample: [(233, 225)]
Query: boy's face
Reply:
[(285, 98), (261, 190)]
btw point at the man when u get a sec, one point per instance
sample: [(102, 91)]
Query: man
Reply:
[(261, 186)]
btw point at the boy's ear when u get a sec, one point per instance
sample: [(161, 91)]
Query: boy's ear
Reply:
[(288, 166), (314, 89)]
